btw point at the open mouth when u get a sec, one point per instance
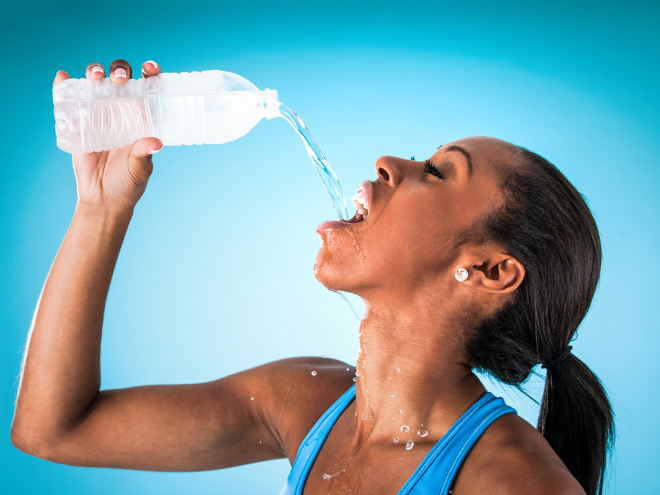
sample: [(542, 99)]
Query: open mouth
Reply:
[(361, 202)]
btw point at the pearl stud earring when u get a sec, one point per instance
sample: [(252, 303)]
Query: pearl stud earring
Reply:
[(461, 274)]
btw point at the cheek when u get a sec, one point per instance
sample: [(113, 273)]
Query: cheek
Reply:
[(404, 254), (416, 247)]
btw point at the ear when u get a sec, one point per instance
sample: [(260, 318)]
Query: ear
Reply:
[(492, 271)]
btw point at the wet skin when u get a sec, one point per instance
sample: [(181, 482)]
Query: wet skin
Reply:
[(401, 260), (416, 316)]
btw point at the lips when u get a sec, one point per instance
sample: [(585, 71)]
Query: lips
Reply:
[(361, 198), (362, 202)]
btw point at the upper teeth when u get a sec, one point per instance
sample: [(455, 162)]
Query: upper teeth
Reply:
[(360, 201)]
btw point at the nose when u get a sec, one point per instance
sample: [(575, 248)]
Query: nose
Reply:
[(390, 169)]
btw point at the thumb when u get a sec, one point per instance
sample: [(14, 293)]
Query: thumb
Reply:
[(143, 148), (140, 163)]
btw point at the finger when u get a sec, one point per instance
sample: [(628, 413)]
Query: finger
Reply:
[(150, 68), (120, 71), (60, 76), (95, 72)]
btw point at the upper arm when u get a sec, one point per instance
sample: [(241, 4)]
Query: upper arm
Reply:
[(240, 419), (171, 428)]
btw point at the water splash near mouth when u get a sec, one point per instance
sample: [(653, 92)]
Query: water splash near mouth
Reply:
[(328, 177), (326, 174)]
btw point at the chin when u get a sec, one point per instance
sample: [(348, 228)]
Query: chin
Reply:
[(337, 273), (339, 265), (325, 272)]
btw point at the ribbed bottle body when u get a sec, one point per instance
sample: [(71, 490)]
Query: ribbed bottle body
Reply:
[(210, 107)]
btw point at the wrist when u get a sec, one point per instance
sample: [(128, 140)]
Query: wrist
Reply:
[(103, 210), (107, 218)]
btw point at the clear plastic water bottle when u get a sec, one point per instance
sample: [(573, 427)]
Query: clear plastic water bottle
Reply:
[(208, 107)]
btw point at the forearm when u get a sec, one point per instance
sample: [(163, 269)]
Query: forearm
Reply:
[(61, 372)]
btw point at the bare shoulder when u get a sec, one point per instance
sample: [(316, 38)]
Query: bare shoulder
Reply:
[(294, 394), (513, 457)]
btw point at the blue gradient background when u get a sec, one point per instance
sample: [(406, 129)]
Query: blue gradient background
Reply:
[(215, 275)]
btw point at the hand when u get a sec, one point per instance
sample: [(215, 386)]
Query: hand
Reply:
[(115, 179)]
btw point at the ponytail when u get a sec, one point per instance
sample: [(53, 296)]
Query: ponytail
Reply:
[(546, 225), (577, 421)]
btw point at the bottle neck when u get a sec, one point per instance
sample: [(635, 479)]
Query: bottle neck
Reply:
[(271, 103)]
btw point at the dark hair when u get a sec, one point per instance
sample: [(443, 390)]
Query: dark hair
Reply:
[(546, 224)]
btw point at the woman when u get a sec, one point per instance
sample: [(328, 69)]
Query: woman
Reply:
[(483, 257)]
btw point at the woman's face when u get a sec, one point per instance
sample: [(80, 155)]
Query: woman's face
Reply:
[(407, 240)]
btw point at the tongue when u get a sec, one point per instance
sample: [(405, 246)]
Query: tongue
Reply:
[(356, 218)]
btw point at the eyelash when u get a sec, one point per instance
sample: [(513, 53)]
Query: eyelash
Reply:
[(429, 168)]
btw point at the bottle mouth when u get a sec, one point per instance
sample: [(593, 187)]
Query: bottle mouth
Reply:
[(271, 103)]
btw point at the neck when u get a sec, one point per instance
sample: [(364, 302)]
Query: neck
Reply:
[(411, 372)]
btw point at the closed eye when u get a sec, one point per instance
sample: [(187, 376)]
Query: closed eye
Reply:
[(429, 168)]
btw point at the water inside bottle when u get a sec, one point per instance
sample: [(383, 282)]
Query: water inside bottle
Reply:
[(328, 177)]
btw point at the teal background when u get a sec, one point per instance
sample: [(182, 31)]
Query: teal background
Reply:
[(215, 275)]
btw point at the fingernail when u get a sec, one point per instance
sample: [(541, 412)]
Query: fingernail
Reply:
[(120, 72), (98, 68), (151, 152), (152, 63)]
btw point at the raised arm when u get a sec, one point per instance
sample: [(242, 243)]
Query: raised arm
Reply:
[(61, 415), (60, 379)]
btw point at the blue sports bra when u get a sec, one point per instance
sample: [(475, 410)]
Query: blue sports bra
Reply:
[(436, 472)]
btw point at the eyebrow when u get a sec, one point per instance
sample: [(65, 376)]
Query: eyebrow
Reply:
[(465, 153)]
